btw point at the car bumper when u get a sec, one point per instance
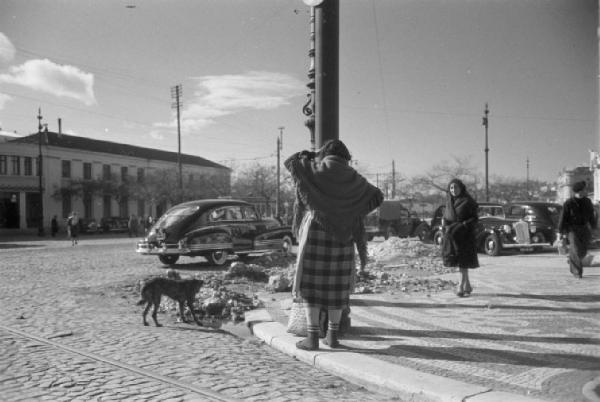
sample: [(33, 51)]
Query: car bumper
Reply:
[(145, 248)]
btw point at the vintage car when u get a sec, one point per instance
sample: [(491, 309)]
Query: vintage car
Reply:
[(393, 219), (497, 231), (214, 229)]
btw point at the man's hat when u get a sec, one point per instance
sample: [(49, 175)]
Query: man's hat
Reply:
[(579, 186)]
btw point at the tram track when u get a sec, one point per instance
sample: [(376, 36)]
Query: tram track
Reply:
[(213, 396)]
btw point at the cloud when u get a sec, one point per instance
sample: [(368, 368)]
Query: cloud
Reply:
[(222, 95), (3, 99), (60, 80), (7, 50)]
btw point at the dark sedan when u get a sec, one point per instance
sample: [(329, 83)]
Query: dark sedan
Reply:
[(214, 229)]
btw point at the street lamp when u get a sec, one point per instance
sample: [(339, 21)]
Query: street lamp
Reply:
[(487, 150), (176, 92)]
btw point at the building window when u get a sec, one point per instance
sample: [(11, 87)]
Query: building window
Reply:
[(87, 205), (16, 165), (106, 209), (141, 207), (3, 168), (106, 172), (87, 171), (191, 179), (38, 166), (124, 207), (140, 175), (66, 169), (28, 165), (124, 171)]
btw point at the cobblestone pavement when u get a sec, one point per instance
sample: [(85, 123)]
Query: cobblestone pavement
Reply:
[(70, 330), (529, 328)]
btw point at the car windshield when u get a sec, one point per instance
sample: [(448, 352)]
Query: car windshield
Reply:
[(176, 215)]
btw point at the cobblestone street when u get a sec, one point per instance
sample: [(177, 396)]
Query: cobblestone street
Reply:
[(70, 330)]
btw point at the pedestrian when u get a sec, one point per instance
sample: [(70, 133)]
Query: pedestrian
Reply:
[(54, 226), (73, 227), (149, 223), (459, 247), (577, 219), (132, 225), (332, 199)]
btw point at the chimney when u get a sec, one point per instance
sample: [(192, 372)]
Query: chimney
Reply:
[(59, 126)]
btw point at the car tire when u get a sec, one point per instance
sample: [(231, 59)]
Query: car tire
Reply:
[(218, 258), (437, 238), (538, 237), (168, 259), (287, 244), (389, 232), (491, 245), (422, 231)]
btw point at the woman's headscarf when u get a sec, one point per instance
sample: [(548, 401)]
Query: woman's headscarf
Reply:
[(455, 203)]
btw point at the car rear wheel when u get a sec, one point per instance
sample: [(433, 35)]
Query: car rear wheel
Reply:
[(168, 259), (286, 246), (437, 238), (491, 245), (218, 258)]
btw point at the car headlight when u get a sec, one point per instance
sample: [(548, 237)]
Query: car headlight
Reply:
[(532, 228), (507, 229)]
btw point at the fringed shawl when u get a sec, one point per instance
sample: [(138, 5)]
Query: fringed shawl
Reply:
[(336, 193)]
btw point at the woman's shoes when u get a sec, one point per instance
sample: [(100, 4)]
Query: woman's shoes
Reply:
[(468, 292)]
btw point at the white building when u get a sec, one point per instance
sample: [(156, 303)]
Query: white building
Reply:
[(67, 159)]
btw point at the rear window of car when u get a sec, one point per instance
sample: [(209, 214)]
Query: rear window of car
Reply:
[(176, 215)]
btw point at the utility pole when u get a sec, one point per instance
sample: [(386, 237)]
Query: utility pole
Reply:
[(279, 147), (528, 197), (487, 150), (176, 93), (40, 173), (393, 179)]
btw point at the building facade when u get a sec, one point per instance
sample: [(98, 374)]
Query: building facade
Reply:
[(568, 177), (98, 179)]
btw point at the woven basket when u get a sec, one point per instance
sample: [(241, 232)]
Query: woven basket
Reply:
[(297, 321)]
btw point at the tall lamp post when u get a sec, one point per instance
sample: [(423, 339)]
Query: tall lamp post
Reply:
[(40, 173), (279, 147), (487, 150)]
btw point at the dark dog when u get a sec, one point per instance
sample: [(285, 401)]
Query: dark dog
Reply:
[(180, 290)]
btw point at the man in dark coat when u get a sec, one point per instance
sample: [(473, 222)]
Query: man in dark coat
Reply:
[(576, 221)]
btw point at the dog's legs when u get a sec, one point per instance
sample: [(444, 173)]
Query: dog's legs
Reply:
[(190, 303), (148, 304), (156, 302), (182, 312)]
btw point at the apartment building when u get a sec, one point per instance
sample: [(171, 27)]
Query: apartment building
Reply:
[(99, 179)]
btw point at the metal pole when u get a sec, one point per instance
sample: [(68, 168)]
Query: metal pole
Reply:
[(279, 147), (487, 150), (528, 196), (40, 173), (309, 107), (327, 71), (176, 93)]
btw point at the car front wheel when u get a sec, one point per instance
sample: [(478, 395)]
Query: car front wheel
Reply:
[(422, 232), (491, 245), (437, 238), (218, 258), (168, 259), (286, 246)]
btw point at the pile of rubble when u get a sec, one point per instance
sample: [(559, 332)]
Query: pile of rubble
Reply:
[(404, 265)]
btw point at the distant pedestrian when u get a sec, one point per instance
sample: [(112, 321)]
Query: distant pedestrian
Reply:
[(73, 227), (577, 219), (149, 223), (459, 248), (54, 226), (332, 199), (132, 225)]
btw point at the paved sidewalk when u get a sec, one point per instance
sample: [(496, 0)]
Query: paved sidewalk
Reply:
[(530, 331)]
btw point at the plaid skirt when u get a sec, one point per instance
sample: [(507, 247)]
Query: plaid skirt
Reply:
[(327, 269)]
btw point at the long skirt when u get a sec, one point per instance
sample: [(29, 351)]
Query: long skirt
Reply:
[(579, 239), (327, 266)]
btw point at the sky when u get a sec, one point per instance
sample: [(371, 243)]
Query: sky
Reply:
[(415, 76)]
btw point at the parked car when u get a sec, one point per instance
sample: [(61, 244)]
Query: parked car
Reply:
[(88, 225), (214, 229), (497, 230), (393, 219), (114, 224)]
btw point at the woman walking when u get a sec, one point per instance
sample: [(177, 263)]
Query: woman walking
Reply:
[(576, 221), (332, 199), (459, 248)]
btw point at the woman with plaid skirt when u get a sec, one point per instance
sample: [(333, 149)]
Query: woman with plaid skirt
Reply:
[(332, 200)]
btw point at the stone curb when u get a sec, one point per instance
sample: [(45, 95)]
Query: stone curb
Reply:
[(374, 374)]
